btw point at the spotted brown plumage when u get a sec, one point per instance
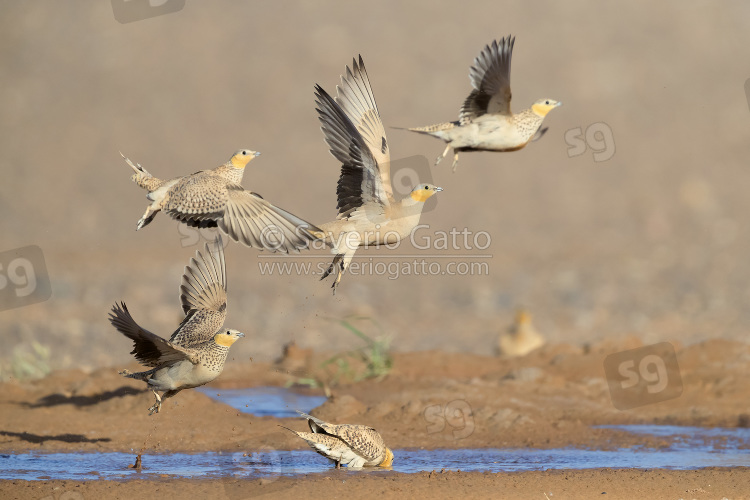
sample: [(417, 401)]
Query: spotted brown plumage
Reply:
[(486, 122), (195, 353), (368, 213), (352, 445), (215, 198)]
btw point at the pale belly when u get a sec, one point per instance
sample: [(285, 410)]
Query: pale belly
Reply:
[(348, 234), (183, 375), (490, 136)]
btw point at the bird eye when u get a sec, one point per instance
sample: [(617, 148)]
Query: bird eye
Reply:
[(228, 332), (245, 152), (546, 102), (427, 188)]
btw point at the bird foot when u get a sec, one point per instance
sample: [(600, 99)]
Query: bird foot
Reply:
[(337, 281), (440, 158), (148, 216), (327, 272), (455, 162), (125, 372), (156, 406)]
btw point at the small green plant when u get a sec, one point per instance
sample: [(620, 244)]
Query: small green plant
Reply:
[(25, 364), (369, 361)]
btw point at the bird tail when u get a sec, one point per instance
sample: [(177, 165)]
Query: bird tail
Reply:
[(316, 425), (430, 129), (144, 376), (142, 177), (287, 428)]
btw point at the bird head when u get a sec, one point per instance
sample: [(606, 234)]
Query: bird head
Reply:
[(242, 158), (544, 106), (388, 461), (523, 317), (227, 337), (422, 192)]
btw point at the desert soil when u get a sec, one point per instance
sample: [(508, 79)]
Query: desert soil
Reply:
[(548, 399)]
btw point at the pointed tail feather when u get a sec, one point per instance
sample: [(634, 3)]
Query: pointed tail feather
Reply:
[(316, 425), (431, 129), (287, 428), (144, 376), (142, 177)]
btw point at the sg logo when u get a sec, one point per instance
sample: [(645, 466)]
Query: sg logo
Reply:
[(457, 414), (643, 376), (406, 174), (128, 11), (23, 278), (598, 137)]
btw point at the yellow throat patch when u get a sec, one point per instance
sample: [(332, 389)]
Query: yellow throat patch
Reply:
[(542, 109), (421, 195), (224, 340), (388, 461), (240, 161)]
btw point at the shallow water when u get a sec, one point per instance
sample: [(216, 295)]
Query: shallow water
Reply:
[(265, 401), (692, 451), (684, 437)]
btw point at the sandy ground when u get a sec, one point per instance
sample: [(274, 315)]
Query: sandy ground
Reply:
[(609, 484), (548, 399)]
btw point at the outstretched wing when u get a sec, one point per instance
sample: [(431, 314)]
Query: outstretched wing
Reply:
[(356, 98), (250, 219), (203, 295), (490, 77), (360, 182), (208, 200), (148, 348), (204, 283)]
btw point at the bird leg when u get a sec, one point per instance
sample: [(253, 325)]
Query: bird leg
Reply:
[(338, 464), (148, 216), (336, 264), (160, 399), (455, 162), (445, 153), (337, 280), (157, 405)]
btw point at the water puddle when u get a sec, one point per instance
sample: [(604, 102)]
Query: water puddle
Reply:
[(693, 450), (692, 438), (265, 401)]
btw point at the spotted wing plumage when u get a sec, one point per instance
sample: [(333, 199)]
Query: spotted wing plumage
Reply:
[(203, 295), (363, 440), (332, 448), (205, 199)]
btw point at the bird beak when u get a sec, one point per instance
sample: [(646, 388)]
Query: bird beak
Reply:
[(556, 105), (240, 335), (438, 189), (257, 153)]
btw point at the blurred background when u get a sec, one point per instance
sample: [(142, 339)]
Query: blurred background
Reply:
[(627, 218)]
